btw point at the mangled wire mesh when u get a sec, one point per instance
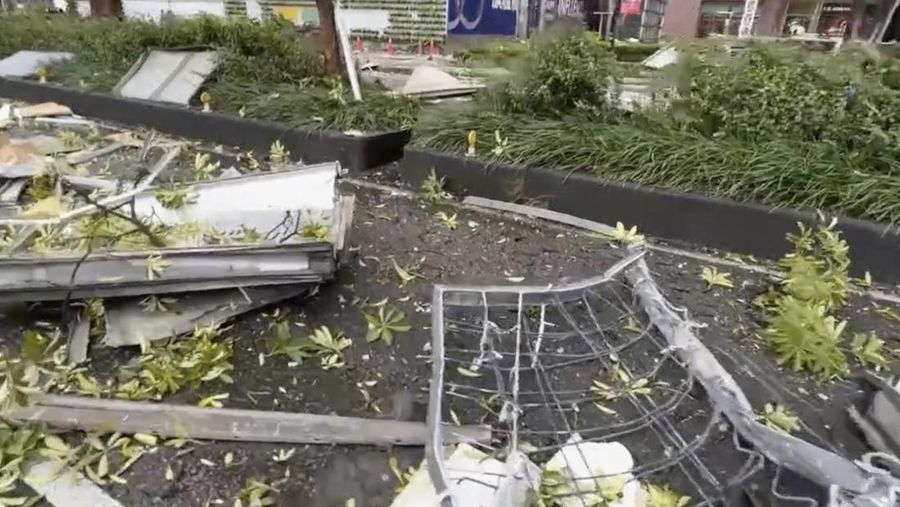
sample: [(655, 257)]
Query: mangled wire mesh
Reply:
[(608, 359)]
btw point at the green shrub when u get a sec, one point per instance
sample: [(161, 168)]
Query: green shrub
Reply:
[(805, 337), (251, 50), (771, 92), (329, 105), (564, 70), (777, 172)]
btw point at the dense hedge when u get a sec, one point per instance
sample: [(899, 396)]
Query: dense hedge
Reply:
[(251, 50), (777, 125)]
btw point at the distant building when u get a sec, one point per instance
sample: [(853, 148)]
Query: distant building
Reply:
[(701, 18)]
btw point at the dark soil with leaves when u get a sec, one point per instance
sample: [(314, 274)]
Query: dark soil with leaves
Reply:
[(485, 248)]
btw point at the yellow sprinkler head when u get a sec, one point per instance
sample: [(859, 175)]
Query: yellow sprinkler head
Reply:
[(206, 100), (41, 73), (472, 139)]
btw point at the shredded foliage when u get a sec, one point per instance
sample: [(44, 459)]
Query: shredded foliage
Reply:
[(167, 368), (433, 190), (714, 278), (663, 496), (387, 321), (780, 418)]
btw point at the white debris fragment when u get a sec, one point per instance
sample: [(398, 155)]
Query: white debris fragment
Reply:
[(594, 473), (474, 478), (66, 490)]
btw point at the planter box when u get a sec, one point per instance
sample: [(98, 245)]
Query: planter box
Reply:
[(354, 152), (741, 227)]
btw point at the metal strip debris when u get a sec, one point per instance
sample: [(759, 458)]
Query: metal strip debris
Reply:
[(185, 421), (79, 337), (114, 274)]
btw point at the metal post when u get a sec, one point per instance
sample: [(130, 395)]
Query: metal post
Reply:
[(348, 54), (542, 17), (748, 19), (813, 25), (522, 19)]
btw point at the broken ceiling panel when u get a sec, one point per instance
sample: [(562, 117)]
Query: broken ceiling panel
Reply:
[(168, 76), (25, 63), (273, 204), (129, 323)]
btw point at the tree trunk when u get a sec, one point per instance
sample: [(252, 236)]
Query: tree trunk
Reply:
[(857, 15), (328, 33), (771, 18), (106, 8)]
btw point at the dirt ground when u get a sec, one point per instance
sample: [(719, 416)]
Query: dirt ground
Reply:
[(484, 248)]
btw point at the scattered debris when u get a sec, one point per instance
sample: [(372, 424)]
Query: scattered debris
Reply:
[(881, 420), (43, 109), (477, 479), (64, 489), (167, 76), (592, 473), (429, 82), (663, 57)]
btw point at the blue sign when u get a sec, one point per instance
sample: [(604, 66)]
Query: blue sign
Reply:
[(481, 17)]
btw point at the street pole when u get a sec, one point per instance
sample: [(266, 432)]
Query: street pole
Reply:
[(747, 19), (522, 19)]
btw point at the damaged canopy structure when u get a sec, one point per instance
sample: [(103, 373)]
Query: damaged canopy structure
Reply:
[(530, 354)]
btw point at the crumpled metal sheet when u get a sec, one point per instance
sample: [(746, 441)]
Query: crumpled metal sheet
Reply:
[(168, 76), (25, 63), (127, 323)]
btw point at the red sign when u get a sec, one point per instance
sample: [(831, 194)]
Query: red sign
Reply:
[(630, 7)]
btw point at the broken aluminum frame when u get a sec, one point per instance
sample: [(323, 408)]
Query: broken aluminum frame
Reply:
[(35, 278), (857, 483), (167, 76), (107, 202)]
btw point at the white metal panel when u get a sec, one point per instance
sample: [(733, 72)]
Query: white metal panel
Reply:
[(25, 63), (169, 76)]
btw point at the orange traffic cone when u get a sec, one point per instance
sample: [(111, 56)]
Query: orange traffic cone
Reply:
[(359, 46), (431, 50), (390, 46)]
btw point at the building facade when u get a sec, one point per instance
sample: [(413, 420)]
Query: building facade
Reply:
[(702, 18)]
